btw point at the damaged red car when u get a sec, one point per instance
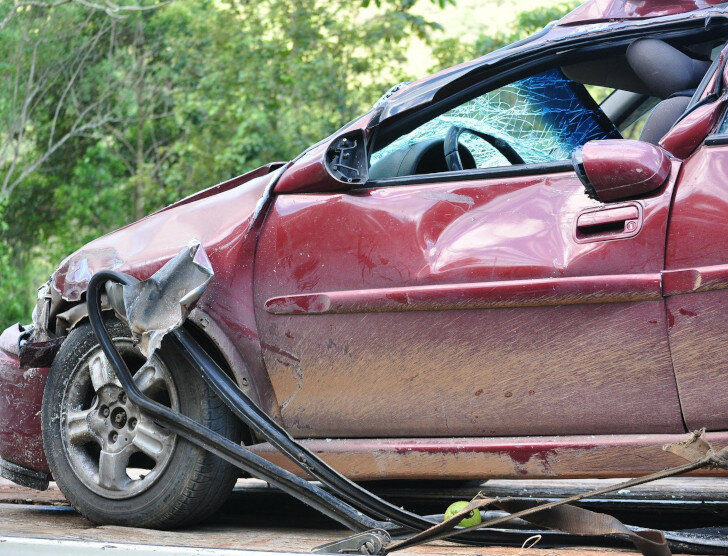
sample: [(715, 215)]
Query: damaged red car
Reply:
[(516, 267)]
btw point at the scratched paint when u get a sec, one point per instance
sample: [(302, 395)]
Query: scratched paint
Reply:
[(343, 273), (20, 399), (490, 458), (696, 261)]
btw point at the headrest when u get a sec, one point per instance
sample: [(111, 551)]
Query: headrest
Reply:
[(663, 68)]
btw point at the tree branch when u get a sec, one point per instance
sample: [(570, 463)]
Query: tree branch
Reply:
[(111, 9)]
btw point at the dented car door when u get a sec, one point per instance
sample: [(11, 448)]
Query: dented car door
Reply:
[(465, 308)]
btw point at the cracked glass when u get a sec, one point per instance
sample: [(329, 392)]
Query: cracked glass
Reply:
[(544, 117)]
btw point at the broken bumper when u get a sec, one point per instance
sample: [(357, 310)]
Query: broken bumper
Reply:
[(22, 459)]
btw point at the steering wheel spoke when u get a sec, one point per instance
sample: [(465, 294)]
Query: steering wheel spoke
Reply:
[(452, 147)]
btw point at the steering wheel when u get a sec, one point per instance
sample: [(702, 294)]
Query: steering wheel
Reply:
[(452, 156)]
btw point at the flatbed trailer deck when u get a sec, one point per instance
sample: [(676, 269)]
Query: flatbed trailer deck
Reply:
[(261, 519)]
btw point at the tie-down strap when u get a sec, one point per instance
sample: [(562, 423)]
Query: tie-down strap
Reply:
[(561, 516)]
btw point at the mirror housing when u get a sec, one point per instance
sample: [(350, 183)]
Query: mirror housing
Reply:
[(620, 169), (334, 165)]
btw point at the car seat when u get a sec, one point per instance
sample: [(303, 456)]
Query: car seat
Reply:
[(668, 74)]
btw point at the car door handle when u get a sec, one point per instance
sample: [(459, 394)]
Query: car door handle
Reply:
[(609, 223)]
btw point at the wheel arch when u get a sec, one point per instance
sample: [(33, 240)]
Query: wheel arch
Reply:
[(202, 328)]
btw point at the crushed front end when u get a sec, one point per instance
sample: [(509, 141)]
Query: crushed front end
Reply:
[(22, 459)]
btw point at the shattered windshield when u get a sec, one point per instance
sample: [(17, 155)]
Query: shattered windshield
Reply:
[(544, 117)]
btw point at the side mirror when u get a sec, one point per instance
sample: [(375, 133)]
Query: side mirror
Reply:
[(333, 165), (619, 169)]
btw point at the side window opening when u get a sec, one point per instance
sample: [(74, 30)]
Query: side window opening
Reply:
[(632, 126), (599, 93), (543, 117), (636, 91)]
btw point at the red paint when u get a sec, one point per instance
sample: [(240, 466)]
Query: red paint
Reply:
[(504, 457), (520, 449), (509, 256), (343, 311), (229, 184), (310, 168), (620, 169), (525, 454), (682, 281), (696, 280), (607, 10), (693, 280), (20, 399), (310, 173), (690, 132), (227, 224)]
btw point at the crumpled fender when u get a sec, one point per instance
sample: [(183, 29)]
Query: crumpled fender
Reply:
[(215, 217), (225, 220)]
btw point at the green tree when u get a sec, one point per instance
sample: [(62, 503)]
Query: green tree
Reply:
[(263, 80), (451, 51), (108, 118), (108, 114)]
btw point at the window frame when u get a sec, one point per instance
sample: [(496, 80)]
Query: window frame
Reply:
[(502, 73), (579, 91), (476, 174)]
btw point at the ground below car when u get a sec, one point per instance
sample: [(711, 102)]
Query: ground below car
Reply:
[(260, 518)]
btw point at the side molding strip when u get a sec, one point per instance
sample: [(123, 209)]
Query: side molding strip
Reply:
[(693, 280), (619, 288)]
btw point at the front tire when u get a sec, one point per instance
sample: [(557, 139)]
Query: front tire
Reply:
[(114, 464)]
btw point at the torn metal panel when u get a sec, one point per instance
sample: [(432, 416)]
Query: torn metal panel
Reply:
[(697, 448), (156, 306), (67, 320), (148, 243), (75, 271), (41, 312), (225, 219), (39, 354)]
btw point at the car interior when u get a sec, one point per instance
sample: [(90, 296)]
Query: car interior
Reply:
[(649, 69), (644, 90)]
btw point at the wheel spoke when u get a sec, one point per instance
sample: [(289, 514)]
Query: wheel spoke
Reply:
[(101, 372), (149, 378), (153, 440), (112, 470), (78, 430)]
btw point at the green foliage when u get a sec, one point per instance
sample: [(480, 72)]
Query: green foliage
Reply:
[(453, 51), (177, 99), (406, 3), (17, 283)]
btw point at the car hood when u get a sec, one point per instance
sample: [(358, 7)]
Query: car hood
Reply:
[(217, 217)]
